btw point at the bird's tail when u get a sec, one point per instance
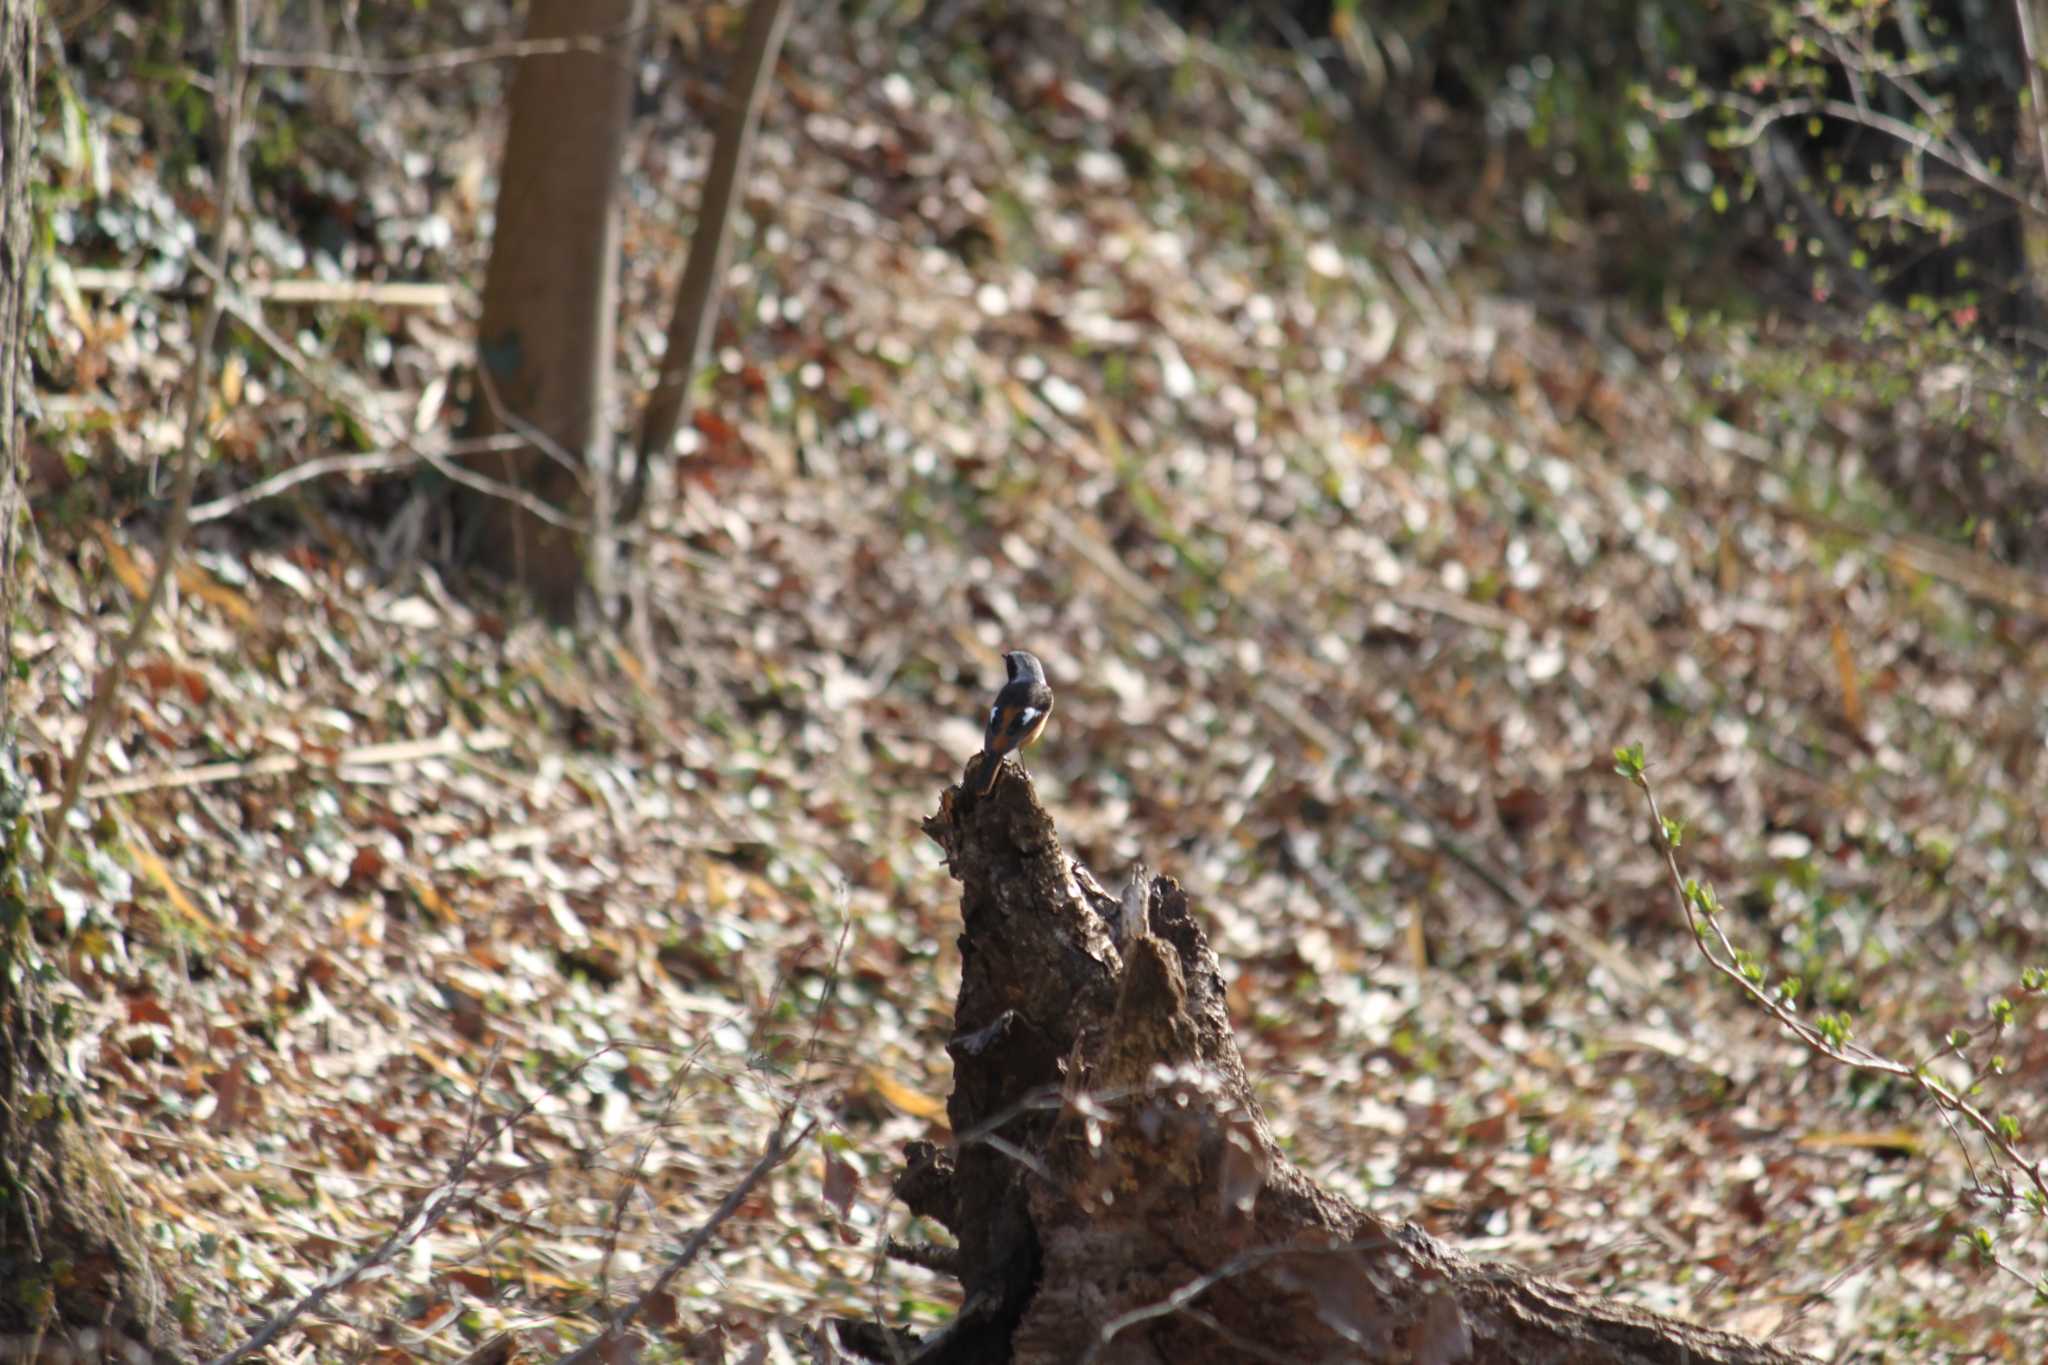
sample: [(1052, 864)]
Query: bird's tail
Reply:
[(993, 764)]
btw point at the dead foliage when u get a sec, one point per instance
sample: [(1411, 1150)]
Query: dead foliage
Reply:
[(1348, 570)]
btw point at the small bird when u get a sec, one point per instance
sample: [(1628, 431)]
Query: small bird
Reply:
[(1020, 713)]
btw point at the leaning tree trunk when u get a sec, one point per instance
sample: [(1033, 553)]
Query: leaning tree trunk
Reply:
[(1114, 1187), (544, 346), (697, 294), (71, 1263)]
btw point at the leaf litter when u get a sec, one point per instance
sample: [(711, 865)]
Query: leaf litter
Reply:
[(1343, 558)]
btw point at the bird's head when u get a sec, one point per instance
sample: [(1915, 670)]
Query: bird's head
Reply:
[(1023, 664)]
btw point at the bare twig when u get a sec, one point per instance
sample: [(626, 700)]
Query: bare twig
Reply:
[(1761, 117), (573, 463), (1700, 910), (1180, 1299), (829, 989), (227, 178), (367, 462), (781, 1146), (235, 1154), (443, 61), (425, 1213), (641, 1151), (376, 293), (689, 326), (453, 470), (782, 1123), (272, 765)]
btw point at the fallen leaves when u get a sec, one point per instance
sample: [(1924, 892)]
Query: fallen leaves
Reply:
[(996, 383), (904, 1098)]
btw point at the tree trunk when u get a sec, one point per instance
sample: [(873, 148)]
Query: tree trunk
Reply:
[(1115, 1190), (71, 1263), (2033, 122), (697, 294), (544, 346)]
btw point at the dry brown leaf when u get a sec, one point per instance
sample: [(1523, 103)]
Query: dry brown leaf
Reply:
[(1521, 809), (662, 1310), (162, 675), (160, 873), (365, 868), (1845, 677), (841, 1181), (905, 1098), (237, 1099), (446, 1069), (1901, 1141), (204, 586), (429, 899), (1416, 936), (126, 566)]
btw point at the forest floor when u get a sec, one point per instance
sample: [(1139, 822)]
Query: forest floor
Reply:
[(1351, 564)]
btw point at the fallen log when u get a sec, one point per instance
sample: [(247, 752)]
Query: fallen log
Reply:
[(1115, 1190)]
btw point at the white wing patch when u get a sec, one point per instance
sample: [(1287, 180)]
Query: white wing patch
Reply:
[(1026, 716)]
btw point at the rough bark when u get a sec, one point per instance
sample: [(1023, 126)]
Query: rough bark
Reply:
[(72, 1267), (544, 345), (1116, 1191)]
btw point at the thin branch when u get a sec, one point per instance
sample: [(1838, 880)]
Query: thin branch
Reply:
[(781, 1146), (424, 1214), (1180, 1299), (573, 463), (825, 995), (376, 293), (827, 991), (227, 178), (453, 470), (1761, 117), (367, 462), (1852, 70), (275, 765), (615, 1228), (443, 61), (1709, 934), (158, 1138)]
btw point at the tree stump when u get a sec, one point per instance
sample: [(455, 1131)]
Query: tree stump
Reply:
[(1115, 1189)]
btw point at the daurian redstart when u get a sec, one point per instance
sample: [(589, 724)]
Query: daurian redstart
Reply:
[(1019, 715)]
